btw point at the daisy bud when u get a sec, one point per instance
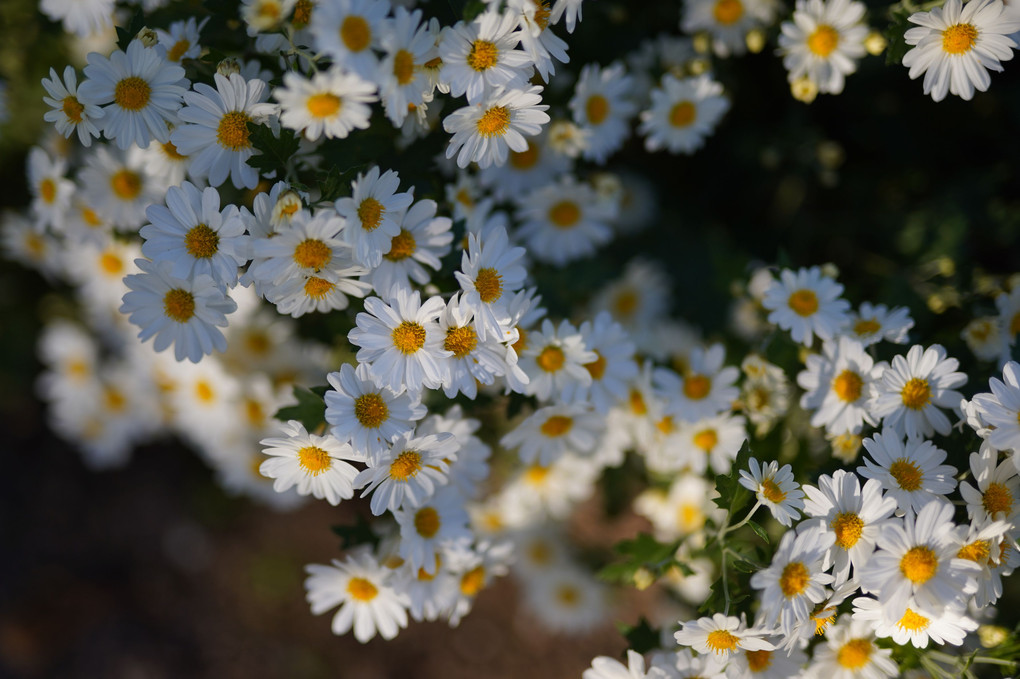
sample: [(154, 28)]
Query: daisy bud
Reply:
[(147, 36), (875, 43), (804, 89), (992, 635), (755, 40), (643, 578), (702, 42), (227, 67), (698, 66)]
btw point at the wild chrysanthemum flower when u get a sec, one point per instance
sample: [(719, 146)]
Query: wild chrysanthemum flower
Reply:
[(331, 104), (438, 524), (141, 91), (709, 443), (554, 361), (775, 488), (215, 133), (823, 42), (407, 474), (564, 221), (485, 132), (796, 577), (1001, 409), (181, 40), (373, 213), (348, 30), (51, 191), (839, 384), (473, 361), (423, 240), (727, 21), (614, 366), (850, 652), (912, 472), (956, 45), (602, 102), (807, 303), (553, 431), (118, 186), (482, 56), (705, 389), (490, 271), (873, 323), (682, 510), (184, 313), (683, 112), (997, 495), (409, 44), (72, 111), (917, 625), (315, 464), (912, 390), (721, 635)]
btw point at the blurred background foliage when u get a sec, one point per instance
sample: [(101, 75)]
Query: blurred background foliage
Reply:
[(916, 203)]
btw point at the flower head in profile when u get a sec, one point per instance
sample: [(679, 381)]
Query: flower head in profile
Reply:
[(721, 635)]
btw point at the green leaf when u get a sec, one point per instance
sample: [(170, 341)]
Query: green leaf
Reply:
[(756, 527), (642, 553), (310, 409), (744, 567), (126, 35), (732, 495), (897, 45), (360, 533), (276, 152), (642, 637), (335, 184)]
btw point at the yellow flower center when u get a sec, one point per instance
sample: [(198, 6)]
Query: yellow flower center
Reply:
[(302, 13), (132, 93), (568, 595), (540, 553), (637, 403), (408, 337), (371, 410), (916, 393), (758, 661), (426, 522), (172, 153), (847, 526), (494, 122), (536, 474), (355, 33), (526, 159), (371, 212), (317, 288), (461, 341), (113, 399), (323, 105), (728, 12), (596, 368), (913, 621), (111, 264), (865, 327), (483, 55), (803, 302), (201, 242), (254, 413), (312, 253), (126, 184), (771, 492), (683, 113), (177, 51), (666, 425), (997, 498), (564, 214), (314, 460), (596, 109), (823, 616), (794, 579), (959, 38), (690, 518), (204, 392), (90, 217), (551, 359), (178, 305), (847, 386), (361, 589), (406, 466), (557, 425), (489, 285), (542, 12), (697, 387), (977, 551), (907, 474), (48, 190), (919, 564), (625, 303), (854, 654), (232, 132), (403, 67), (72, 108), (720, 641), (823, 41), (706, 440), (471, 583)]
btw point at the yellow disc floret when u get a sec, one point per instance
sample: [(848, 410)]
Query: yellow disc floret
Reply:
[(854, 654), (371, 410), (848, 527), (232, 132), (408, 337), (728, 12), (823, 41), (721, 641), (771, 491), (355, 33), (564, 214), (312, 253), (406, 466), (426, 522), (201, 242), (557, 425), (361, 589), (683, 113), (126, 184), (907, 474), (596, 109), (489, 285), (179, 305), (461, 341), (551, 359), (323, 105), (697, 387), (847, 386), (804, 302), (919, 564), (794, 579), (959, 38), (371, 212), (997, 499), (314, 460), (916, 393), (494, 122), (132, 93), (317, 288), (483, 55)]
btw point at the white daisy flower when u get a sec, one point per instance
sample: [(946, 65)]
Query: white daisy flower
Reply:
[(1001, 409), (407, 475), (184, 313), (490, 271), (214, 132), (51, 191), (807, 303), (682, 510), (721, 635), (554, 361), (919, 560), (84, 19), (307, 294), (181, 40), (423, 241), (955, 46), (873, 323), (795, 579), (368, 416), (766, 664), (264, 15), (539, 493), (331, 104), (855, 517), (315, 464), (72, 111), (775, 488), (614, 366), (704, 390), (850, 652), (823, 42), (568, 599), (839, 384), (564, 221), (473, 361), (602, 103), (485, 132), (911, 472), (119, 185), (912, 390), (482, 56), (361, 587), (986, 545), (984, 337), (373, 213), (683, 112), (434, 526), (192, 233), (727, 21), (141, 91), (685, 665), (604, 667), (537, 40), (348, 30), (638, 299), (310, 246), (408, 45), (917, 625), (997, 495), (710, 442), (401, 342), (554, 431), (537, 165)]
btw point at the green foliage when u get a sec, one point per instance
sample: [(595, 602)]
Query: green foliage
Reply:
[(276, 152), (360, 533), (126, 35), (898, 25), (641, 637), (310, 409), (733, 496), (644, 558)]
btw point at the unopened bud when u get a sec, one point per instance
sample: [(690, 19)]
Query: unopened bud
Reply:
[(147, 36), (228, 66), (286, 207), (875, 43), (804, 89), (643, 578), (992, 635), (755, 40)]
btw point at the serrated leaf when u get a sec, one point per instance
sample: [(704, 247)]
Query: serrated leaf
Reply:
[(310, 409), (642, 637), (276, 152), (642, 553), (335, 184), (360, 533), (897, 45), (126, 35), (732, 495), (759, 531)]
